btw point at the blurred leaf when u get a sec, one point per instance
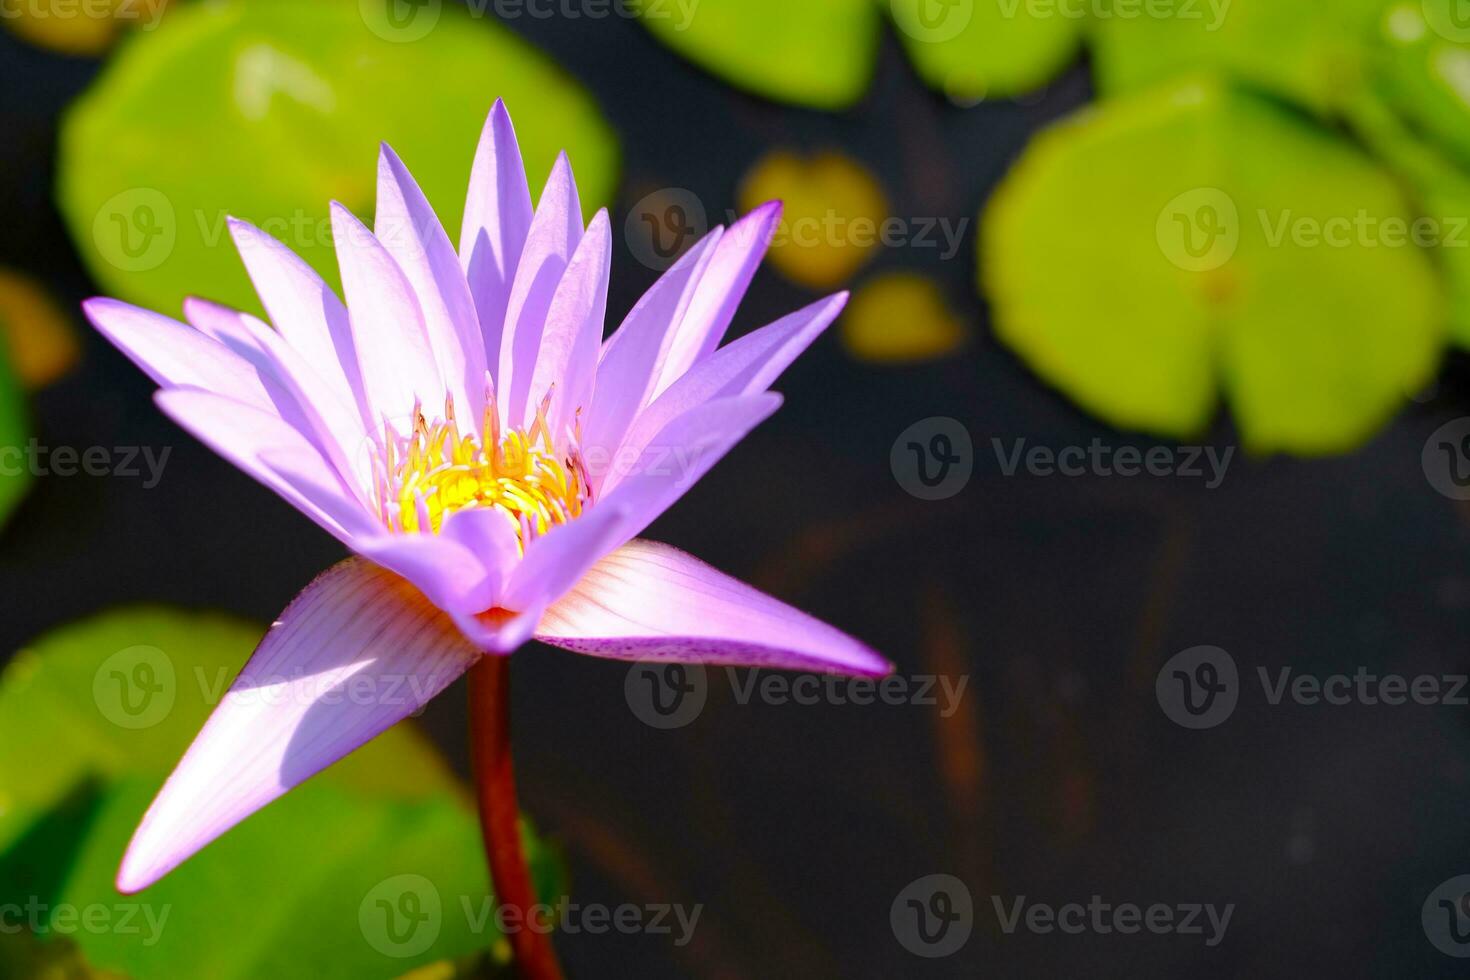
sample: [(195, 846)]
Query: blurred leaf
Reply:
[(79, 27), (369, 870), (833, 217), (816, 53), (1442, 192), (1145, 255), (42, 344), (900, 318), (1306, 50), (14, 431), (988, 48), (268, 109), (821, 53), (24, 957), (484, 966), (1425, 77)]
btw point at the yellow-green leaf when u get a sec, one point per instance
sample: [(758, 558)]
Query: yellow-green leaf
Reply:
[(1192, 241), (268, 109)]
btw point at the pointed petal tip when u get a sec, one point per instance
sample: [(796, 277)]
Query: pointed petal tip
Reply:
[(387, 156), (94, 306), (131, 879), (768, 213)]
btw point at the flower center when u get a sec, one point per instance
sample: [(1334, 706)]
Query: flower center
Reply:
[(436, 471)]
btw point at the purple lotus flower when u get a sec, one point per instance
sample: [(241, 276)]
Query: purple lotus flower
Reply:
[(462, 427)]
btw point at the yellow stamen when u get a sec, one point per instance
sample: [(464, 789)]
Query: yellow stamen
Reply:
[(437, 471)]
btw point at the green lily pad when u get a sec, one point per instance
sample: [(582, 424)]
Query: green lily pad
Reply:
[(1193, 241), (1311, 52), (269, 109), (988, 48), (821, 53), (1424, 74), (816, 53), (371, 869), (14, 429)]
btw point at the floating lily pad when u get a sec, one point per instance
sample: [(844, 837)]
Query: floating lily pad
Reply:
[(821, 53), (80, 27), (1311, 52), (268, 109), (1193, 241), (41, 341), (977, 49), (1424, 75), (816, 53), (14, 430), (371, 869), (833, 219), (900, 318)]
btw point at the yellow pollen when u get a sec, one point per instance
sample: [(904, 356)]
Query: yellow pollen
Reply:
[(436, 471)]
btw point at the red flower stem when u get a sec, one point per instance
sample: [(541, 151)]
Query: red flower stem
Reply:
[(495, 787)]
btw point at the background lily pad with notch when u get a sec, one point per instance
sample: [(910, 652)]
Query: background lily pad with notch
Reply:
[(367, 870), (1156, 253), (269, 109)]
